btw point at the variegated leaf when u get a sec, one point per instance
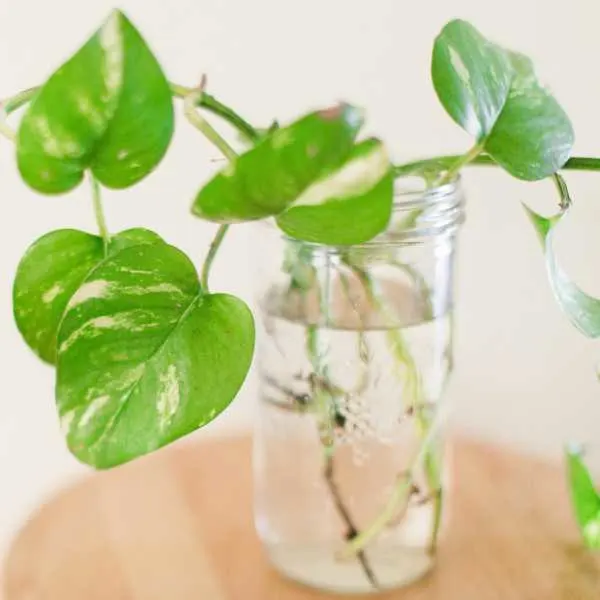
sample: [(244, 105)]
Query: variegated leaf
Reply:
[(347, 206), (582, 309), (108, 108), (50, 273), (495, 95), (265, 180), (144, 357)]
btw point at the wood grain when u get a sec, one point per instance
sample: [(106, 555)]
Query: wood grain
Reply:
[(178, 526)]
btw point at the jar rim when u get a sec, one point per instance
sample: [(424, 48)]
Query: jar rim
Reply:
[(405, 197), (441, 211)]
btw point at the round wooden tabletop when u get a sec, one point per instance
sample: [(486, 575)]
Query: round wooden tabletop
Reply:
[(177, 526)]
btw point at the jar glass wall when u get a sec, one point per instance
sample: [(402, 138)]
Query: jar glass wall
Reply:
[(355, 350)]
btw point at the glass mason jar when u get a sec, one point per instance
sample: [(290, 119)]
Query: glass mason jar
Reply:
[(355, 350)]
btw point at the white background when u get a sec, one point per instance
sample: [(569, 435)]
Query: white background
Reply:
[(524, 376)]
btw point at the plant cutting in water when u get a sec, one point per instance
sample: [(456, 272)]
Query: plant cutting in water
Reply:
[(145, 352)]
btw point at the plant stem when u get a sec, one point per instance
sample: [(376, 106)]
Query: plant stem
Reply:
[(563, 192), (99, 211), (347, 518), (363, 345), (213, 105), (576, 163), (400, 494), (326, 411), (459, 163), (414, 391), (438, 503), (212, 252), (205, 100), (15, 102), (451, 171), (190, 104), (8, 106), (5, 129)]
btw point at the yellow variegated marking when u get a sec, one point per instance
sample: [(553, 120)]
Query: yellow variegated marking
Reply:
[(459, 66), (94, 407), (89, 291), (353, 179), (51, 294), (124, 320), (169, 397), (100, 288), (111, 42)]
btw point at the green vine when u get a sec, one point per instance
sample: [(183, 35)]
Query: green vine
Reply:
[(441, 163), (99, 212)]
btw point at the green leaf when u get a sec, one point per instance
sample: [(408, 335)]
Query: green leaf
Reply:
[(585, 499), (472, 77), (349, 205), (268, 178), (582, 309), (132, 237), (50, 272), (494, 95), (108, 108), (144, 357)]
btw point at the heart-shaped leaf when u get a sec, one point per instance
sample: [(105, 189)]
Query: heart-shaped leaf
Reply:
[(582, 309), (585, 498), (144, 357), (350, 205), (51, 272), (494, 94), (472, 77), (268, 178), (108, 108)]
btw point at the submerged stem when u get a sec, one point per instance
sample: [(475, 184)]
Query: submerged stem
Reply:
[(363, 345), (400, 494), (414, 390), (326, 410), (347, 518), (451, 171)]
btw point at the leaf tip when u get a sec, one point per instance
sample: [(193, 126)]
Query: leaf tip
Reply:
[(542, 225), (457, 24), (115, 15), (349, 113), (574, 449)]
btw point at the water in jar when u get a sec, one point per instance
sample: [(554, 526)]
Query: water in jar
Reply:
[(385, 362)]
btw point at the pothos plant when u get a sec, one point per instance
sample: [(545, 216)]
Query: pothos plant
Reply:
[(145, 351)]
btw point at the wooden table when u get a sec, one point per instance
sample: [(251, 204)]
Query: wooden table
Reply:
[(178, 526)]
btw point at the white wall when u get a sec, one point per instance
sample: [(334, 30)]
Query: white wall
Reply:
[(523, 375)]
